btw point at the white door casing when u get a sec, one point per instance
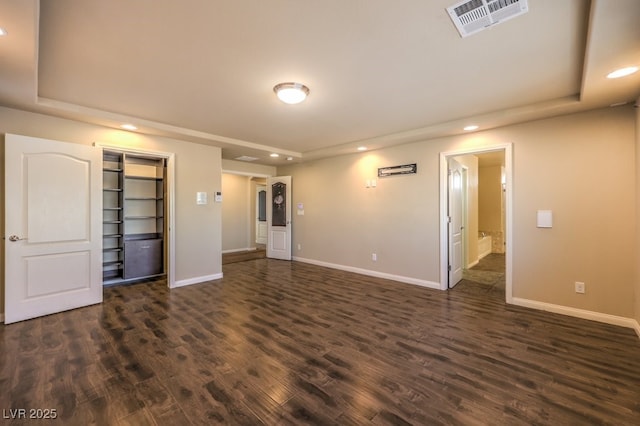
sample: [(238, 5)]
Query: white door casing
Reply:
[(455, 222), (53, 241), (279, 217)]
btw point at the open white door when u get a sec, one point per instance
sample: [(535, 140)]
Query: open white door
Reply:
[(53, 215), (455, 222), (279, 217), (261, 215)]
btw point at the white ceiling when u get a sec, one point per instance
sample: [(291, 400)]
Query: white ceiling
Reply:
[(380, 73)]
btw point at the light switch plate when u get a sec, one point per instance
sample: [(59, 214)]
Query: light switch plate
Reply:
[(201, 198), (545, 219)]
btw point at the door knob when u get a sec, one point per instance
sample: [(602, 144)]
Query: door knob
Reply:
[(15, 238)]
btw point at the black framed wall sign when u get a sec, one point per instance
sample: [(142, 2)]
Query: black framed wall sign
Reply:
[(398, 170)]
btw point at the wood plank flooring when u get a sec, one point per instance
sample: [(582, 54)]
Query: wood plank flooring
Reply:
[(287, 343)]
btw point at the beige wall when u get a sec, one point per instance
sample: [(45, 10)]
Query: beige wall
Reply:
[(490, 199), (2, 227), (573, 165), (197, 227), (236, 191), (637, 252)]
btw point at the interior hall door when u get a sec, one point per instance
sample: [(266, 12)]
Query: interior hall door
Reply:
[(279, 217), (455, 219), (261, 215), (53, 215)]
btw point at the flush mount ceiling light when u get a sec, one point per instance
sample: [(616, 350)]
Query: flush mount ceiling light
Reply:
[(470, 128), (362, 148), (274, 155), (3, 32), (622, 72), (291, 93), (129, 127)]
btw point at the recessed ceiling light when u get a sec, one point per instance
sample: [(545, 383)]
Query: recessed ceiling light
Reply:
[(129, 127), (3, 32), (291, 93), (289, 158), (471, 128), (622, 72), (274, 155), (362, 148)]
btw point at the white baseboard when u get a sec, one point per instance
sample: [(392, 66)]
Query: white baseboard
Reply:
[(239, 250), (197, 280), (484, 254), (472, 264), (579, 313), (402, 279)]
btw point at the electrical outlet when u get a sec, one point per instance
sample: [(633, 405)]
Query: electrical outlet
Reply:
[(580, 287), (374, 257)]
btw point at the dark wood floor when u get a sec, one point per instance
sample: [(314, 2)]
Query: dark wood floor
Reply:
[(279, 342)]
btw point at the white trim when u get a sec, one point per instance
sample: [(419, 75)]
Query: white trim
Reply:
[(508, 163), (197, 280), (402, 279), (171, 194), (239, 250), (483, 254), (579, 313)]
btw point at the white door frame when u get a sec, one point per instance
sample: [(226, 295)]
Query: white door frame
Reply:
[(171, 210), (444, 238)]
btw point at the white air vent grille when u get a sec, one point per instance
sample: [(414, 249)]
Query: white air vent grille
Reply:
[(471, 16), (246, 158)]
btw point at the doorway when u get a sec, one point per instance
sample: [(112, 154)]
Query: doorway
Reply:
[(486, 265), (244, 235)]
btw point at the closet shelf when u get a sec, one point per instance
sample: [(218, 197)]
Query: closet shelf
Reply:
[(142, 217), (143, 177)]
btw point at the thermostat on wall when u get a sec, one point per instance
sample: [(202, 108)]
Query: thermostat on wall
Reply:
[(201, 198)]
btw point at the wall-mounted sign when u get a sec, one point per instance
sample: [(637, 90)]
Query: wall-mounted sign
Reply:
[(398, 170)]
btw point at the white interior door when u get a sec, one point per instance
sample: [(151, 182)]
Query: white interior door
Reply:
[(53, 241), (279, 217), (455, 194)]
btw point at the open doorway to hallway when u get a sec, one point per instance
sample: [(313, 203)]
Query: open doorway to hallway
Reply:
[(244, 230), (485, 266), (485, 220)]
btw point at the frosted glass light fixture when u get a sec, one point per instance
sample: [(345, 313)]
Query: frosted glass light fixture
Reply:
[(291, 93)]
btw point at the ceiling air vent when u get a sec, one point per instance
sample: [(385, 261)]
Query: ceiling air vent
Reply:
[(472, 16), (246, 158)]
